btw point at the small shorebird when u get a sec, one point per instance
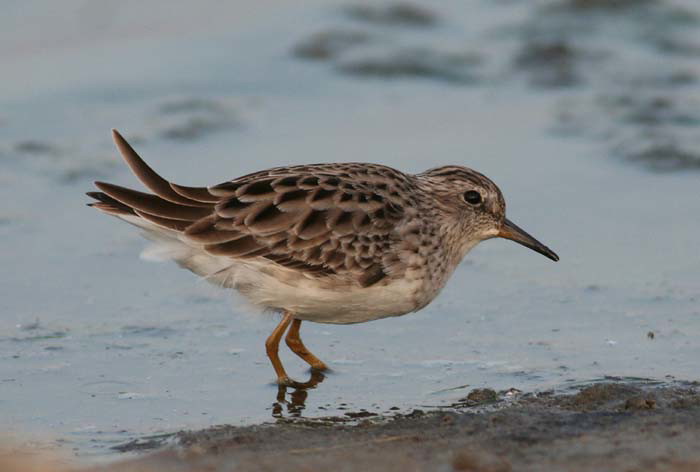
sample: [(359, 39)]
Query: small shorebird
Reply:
[(329, 243)]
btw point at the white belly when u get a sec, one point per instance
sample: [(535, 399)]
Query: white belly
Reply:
[(269, 286), (310, 301)]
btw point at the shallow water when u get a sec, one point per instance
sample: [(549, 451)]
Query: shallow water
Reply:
[(98, 347)]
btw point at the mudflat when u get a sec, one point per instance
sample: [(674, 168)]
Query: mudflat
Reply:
[(604, 426)]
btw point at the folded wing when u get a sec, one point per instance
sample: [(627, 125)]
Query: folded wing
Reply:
[(320, 220)]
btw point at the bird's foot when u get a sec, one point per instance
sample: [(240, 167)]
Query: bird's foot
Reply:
[(315, 379), (319, 366), (284, 381)]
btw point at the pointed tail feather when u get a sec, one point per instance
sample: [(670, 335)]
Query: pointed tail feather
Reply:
[(108, 205), (152, 180), (165, 215), (173, 207), (153, 204)]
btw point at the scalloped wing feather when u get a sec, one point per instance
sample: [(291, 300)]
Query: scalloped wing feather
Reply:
[(322, 220)]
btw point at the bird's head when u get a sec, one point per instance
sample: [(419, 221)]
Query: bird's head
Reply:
[(477, 206)]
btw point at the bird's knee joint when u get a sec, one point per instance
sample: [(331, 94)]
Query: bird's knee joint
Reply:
[(293, 343), (271, 346)]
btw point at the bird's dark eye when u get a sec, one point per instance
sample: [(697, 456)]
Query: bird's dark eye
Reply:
[(472, 197)]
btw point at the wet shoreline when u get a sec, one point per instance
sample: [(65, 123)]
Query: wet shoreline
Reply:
[(618, 425)]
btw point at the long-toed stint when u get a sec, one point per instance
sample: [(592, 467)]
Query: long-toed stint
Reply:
[(329, 243)]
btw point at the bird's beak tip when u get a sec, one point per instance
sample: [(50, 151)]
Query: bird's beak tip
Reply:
[(511, 231)]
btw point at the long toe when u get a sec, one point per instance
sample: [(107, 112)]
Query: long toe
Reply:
[(319, 366)]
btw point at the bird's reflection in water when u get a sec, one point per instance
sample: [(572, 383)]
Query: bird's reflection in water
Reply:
[(296, 402)]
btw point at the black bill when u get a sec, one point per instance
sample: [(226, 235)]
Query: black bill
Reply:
[(511, 231)]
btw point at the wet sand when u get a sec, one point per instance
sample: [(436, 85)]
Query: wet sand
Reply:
[(604, 426)]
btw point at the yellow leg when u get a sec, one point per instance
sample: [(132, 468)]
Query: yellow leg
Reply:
[(272, 348), (294, 342)]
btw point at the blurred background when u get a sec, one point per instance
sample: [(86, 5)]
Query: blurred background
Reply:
[(584, 112)]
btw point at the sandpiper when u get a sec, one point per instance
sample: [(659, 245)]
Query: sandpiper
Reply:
[(328, 243)]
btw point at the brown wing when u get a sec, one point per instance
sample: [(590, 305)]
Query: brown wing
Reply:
[(324, 219)]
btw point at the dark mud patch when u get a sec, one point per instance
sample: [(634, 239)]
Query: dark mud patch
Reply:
[(665, 157), (623, 68), (632, 61), (398, 14), (663, 10), (34, 147), (41, 337), (658, 131), (64, 163), (147, 443), (604, 5), (599, 396), (34, 331), (454, 68), (485, 397), (330, 44), (189, 119), (550, 63), (613, 426), (374, 48), (654, 110)]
